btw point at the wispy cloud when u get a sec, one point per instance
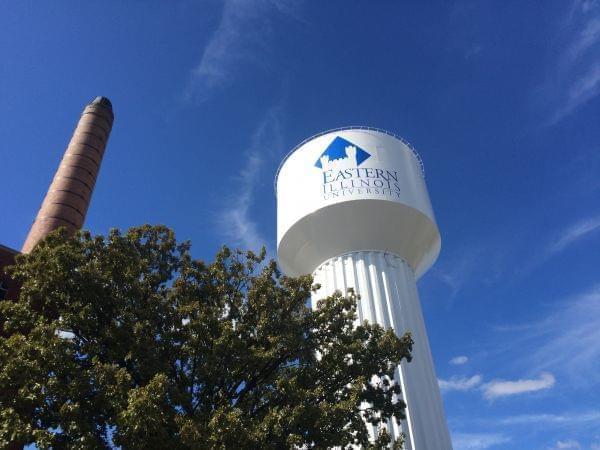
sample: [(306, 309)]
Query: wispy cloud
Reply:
[(477, 441), (497, 388), (459, 360), (561, 240), (564, 445), (487, 261), (573, 233), (502, 388), (568, 424), (582, 89), (240, 37), (586, 417), (457, 270), (460, 383), (587, 36), (236, 221), (564, 340), (568, 338), (577, 78)]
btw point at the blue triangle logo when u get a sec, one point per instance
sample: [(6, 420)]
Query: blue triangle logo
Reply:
[(337, 150)]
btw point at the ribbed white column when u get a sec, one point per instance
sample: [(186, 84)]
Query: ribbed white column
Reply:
[(388, 296)]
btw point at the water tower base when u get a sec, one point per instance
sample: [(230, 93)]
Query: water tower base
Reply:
[(388, 294)]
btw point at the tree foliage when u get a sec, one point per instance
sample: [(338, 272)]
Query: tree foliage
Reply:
[(126, 340)]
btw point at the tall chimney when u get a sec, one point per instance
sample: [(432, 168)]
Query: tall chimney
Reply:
[(69, 195)]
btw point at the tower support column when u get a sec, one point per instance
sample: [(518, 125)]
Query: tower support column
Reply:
[(388, 294)]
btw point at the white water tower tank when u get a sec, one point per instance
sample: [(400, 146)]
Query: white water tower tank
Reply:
[(353, 210)]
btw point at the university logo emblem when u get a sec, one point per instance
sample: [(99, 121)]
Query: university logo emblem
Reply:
[(341, 153)]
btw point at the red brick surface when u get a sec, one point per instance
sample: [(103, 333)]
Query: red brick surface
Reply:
[(68, 197)]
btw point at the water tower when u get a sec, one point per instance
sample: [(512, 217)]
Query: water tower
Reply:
[(353, 210)]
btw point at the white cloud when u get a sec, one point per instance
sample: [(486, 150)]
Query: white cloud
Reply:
[(574, 232), (238, 38), (501, 388), (568, 444), (582, 89), (587, 36), (587, 417), (457, 269), (459, 360), (490, 260), (564, 238), (236, 221), (587, 5), (477, 441), (497, 388), (567, 339), (482, 259), (460, 384), (576, 80), (567, 423)]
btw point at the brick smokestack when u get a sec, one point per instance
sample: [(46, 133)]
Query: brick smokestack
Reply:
[(69, 195)]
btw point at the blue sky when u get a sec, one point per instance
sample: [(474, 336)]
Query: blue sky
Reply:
[(500, 98)]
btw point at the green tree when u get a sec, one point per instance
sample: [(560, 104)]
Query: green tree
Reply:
[(127, 340)]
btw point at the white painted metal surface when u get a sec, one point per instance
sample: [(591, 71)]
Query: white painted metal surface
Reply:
[(387, 288), (353, 189), (353, 209)]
